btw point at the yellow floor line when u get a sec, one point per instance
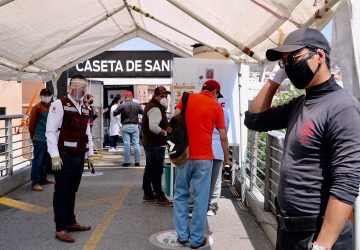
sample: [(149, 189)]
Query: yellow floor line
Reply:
[(106, 220), (23, 206), (94, 202), (41, 210)]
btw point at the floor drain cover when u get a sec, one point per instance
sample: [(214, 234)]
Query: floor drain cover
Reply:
[(167, 240)]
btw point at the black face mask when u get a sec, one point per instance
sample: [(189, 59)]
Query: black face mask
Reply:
[(300, 74), (91, 102)]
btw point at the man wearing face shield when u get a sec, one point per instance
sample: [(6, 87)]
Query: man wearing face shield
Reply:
[(154, 128), (37, 129), (320, 169), (69, 142)]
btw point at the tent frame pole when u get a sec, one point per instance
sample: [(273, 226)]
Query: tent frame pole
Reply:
[(19, 68), (73, 36), (218, 31), (4, 2), (147, 14)]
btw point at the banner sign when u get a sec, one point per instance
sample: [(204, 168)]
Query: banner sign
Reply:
[(128, 64)]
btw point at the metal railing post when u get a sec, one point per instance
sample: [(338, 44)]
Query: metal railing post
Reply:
[(253, 160), (267, 173), (357, 224), (8, 145)]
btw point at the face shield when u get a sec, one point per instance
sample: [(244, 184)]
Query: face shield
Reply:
[(77, 89)]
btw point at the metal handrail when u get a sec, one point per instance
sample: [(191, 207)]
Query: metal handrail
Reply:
[(18, 148)]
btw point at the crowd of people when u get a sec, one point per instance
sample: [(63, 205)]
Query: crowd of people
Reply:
[(319, 174)]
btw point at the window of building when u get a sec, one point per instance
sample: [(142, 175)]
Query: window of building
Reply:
[(2, 110)]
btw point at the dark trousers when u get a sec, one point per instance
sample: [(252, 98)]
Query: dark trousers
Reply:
[(303, 240), (41, 159), (153, 170), (113, 141), (67, 184)]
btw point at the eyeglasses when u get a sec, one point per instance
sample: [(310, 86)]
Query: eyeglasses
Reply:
[(292, 59)]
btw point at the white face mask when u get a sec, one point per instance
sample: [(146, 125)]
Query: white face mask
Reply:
[(46, 99), (164, 102)]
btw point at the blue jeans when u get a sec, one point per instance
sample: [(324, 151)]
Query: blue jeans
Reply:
[(130, 133), (67, 184), (199, 173), (41, 159), (153, 171)]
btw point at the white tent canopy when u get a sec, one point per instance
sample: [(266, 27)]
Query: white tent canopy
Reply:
[(41, 38)]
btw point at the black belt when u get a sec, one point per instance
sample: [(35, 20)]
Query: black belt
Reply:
[(297, 223)]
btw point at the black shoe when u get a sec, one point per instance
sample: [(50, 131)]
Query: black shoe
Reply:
[(137, 164), (126, 164), (182, 242), (201, 245)]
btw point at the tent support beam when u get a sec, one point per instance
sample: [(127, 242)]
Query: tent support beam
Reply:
[(320, 12), (112, 18), (19, 69), (219, 50), (161, 43), (119, 39), (4, 2), (216, 30), (73, 36)]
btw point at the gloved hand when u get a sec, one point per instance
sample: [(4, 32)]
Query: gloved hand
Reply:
[(56, 163), (278, 75), (90, 162)]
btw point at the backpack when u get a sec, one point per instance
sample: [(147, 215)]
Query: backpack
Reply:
[(177, 139)]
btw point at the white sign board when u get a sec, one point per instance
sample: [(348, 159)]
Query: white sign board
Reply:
[(193, 72)]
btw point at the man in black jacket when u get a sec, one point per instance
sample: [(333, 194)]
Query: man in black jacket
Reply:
[(320, 169)]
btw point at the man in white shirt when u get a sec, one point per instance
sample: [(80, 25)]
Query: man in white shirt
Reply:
[(68, 140)]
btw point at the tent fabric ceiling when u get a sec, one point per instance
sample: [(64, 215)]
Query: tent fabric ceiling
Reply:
[(41, 38)]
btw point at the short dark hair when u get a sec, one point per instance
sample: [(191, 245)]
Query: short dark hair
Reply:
[(77, 76), (327, 60)]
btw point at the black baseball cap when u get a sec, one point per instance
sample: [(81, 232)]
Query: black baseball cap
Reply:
[(45, 92), (298, 39), (161, 90)]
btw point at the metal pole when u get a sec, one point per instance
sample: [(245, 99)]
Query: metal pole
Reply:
[(218, 31), (241, 158), (8, 146), (21, 69), (267, 173), (219, 50), (357, 224), (73, 36), (3, 2), (253, 160)]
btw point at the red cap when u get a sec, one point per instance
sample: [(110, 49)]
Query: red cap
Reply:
[(212, 84), (161, 90), (128, 94)]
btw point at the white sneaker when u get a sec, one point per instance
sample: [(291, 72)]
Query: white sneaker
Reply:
[(112, 150), (211, 212)]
